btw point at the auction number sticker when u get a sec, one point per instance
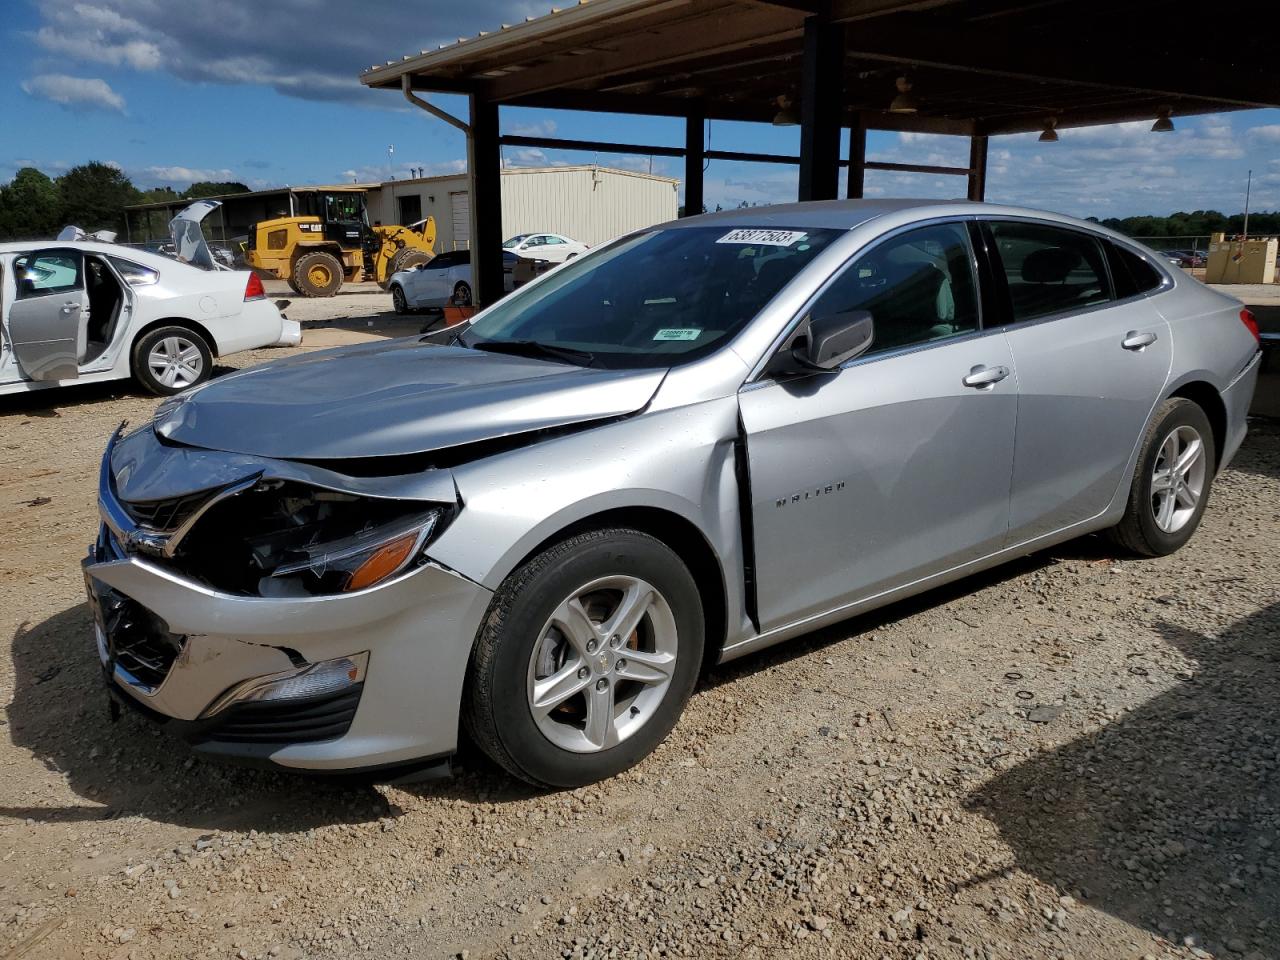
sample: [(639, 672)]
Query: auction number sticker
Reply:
[(768, 238), (678, 333)]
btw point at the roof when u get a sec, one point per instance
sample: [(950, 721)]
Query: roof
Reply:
[(977, 67), (137, 254), (245, 194)]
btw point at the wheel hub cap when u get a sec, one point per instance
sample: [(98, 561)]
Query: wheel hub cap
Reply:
[(1177, 481), (602, 664), (175, 362)]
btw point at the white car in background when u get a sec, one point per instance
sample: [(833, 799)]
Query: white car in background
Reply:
[(82, 311), (544, 246), (443, 280)]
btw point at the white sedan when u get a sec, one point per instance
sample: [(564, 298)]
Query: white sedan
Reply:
[(445, 279), (83, 311), (544, 246)]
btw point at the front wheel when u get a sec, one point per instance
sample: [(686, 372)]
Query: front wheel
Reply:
[(588, 656), (168, 360), (398, 299), (1171, 482)]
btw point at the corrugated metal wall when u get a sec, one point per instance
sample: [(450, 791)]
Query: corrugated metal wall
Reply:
[(590, 204)]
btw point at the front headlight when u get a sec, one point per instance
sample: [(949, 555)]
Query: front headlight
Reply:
[(351, 563), (287, 539)]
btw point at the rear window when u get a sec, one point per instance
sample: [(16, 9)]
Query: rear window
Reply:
[(135, 274), (1050, 270), (1132, 274)]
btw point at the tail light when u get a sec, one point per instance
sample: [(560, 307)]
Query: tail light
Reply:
[(1251, 323), (254, 290)]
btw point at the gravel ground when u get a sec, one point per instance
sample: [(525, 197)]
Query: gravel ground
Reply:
[(1073, 756)]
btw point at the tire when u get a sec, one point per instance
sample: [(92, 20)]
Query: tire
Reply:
[(164, 362), (405, 259), (461, 294), (1149, 527), (317, 274), (560, 745), (292, 285), (398, 300)]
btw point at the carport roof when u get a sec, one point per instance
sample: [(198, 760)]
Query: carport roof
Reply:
[(978, 68)]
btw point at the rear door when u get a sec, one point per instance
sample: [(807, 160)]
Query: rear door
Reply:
[(896, 466), (48, 319), (1092, 358)]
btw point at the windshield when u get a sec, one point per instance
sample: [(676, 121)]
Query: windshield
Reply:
[(653, 299), (514, 241)]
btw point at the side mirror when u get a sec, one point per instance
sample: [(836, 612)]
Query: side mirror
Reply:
[(835, 339)]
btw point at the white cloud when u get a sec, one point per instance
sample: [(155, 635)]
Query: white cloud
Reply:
[(1268, 133), (403, 170), (186, 174), (540, 128), (299, 47), (75, 92)]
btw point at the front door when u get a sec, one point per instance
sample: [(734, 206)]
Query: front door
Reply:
[(47, 321), (1090, 370), (897, 466)]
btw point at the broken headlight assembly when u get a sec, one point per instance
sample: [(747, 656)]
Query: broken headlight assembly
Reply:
[(286, 539)]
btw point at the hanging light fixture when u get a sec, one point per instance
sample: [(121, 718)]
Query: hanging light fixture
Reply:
[(905, 101), (1164, 123), (786, 115), (1050, 132)]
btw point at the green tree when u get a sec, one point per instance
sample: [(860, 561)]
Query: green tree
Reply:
[(29, 207), (206, 188), (94, 196)]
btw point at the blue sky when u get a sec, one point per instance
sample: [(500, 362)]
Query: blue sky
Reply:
[(267, 93)]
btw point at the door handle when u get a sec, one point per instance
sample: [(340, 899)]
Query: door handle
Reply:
[(70, 307), (1133, 340), (983, 377)]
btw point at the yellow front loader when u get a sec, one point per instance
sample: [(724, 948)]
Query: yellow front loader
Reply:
[(331, 241)]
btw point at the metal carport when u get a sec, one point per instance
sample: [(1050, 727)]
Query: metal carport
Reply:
[(974, 69)]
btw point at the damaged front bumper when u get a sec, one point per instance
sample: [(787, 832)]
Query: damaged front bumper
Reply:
[(352, 681)]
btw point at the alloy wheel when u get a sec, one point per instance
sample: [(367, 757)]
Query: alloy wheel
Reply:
[(1177, 481), (175, 362), (602, 664)]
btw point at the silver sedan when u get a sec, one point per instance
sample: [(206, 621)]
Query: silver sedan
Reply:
[(691, 443)]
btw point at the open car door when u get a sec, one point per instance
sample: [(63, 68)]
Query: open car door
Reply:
[(47, 321)]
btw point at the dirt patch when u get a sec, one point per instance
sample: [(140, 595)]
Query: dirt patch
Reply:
[(1072, 756)]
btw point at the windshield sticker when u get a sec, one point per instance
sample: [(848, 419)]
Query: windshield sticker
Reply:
[(678, 333), (768, 238)]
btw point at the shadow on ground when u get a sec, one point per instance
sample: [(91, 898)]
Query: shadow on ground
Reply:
[(1170, 817)]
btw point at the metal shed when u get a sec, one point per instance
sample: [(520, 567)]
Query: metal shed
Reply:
[(588, 203), (840, 67)]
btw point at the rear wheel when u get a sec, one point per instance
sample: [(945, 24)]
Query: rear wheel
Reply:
[(462, 294), (1171, 482), (317, 274), (168, 360), (292, 285), (587, 657)]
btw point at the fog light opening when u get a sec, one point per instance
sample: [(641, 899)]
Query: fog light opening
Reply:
[(314, 680)]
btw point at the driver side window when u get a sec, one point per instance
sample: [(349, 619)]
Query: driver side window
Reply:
[(918, 286), (46, 274)]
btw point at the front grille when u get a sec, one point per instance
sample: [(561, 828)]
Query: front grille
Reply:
[(138, 641), (287, 721), (165, 514)]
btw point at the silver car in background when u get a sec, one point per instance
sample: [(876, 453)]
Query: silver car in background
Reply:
[(696, 441)]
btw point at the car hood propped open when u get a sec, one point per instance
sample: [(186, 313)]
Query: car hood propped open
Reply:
[(393, 399)]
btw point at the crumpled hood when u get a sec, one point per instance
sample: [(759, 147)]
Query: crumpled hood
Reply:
[(393, 398)]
